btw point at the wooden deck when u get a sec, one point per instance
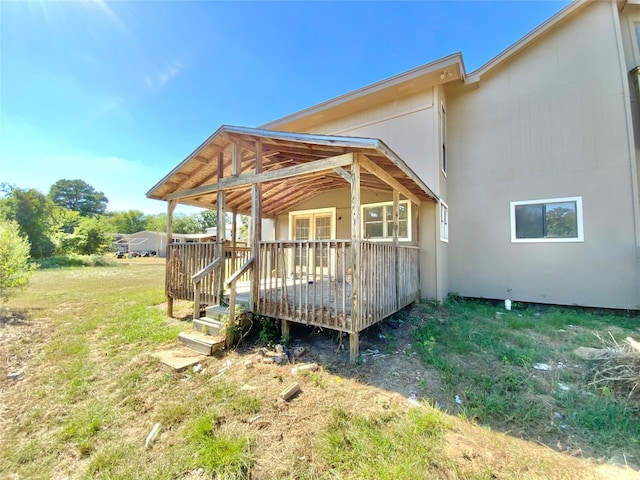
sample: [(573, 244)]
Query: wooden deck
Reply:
[(307, 282)]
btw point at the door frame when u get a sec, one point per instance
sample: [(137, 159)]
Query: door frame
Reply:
[(312, 213)]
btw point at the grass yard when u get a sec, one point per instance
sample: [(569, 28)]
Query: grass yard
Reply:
[(517, 372), (91, 393)]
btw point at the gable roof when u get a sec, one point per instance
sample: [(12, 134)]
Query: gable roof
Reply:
[(446, 71), (195, 180)]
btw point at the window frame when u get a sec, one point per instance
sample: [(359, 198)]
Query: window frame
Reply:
[(579, 221), (384, 221), (443, 139), (444, 222)]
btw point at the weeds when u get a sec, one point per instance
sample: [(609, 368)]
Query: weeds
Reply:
[(487, 359), (385, 446), (228, 457)]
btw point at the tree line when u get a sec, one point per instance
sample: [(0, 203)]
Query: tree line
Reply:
[(73, 218)]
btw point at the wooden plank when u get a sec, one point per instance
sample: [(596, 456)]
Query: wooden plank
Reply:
[(260, 177), (387, 178)]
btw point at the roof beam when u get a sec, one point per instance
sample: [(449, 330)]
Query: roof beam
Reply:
[(343, 173), (269, 176), (368, 165)]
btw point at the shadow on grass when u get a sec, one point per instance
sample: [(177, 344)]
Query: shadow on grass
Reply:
[(16, 317)]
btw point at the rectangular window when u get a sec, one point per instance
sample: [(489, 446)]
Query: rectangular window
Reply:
[(443, 137), (377, 221), (551, 220), (444, 222)]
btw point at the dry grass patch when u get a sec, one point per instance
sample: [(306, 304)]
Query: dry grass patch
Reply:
[(91, 393)]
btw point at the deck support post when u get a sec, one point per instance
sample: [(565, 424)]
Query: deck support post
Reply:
[(396, 251), (354, 347), (356, 261), (171, 206), (285, 330), (256, 231)]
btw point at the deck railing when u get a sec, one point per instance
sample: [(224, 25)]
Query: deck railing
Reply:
[(389, 281), (311, 282), (184, 260), (307, 282)]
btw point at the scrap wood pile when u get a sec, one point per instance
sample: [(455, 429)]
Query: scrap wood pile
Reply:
[(620, 365)]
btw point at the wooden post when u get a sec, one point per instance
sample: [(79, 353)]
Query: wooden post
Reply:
[(256, 231), (196, 301), (171, 206), (221, 241), (221, 227), (285, 330), (234, 234), (232, 317), (354, 336), (396, 233)]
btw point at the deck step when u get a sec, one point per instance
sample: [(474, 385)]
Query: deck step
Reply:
[(217, 312), (199, 342), (208, 326)]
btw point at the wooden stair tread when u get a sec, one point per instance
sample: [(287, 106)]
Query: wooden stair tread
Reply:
[(200, 342)]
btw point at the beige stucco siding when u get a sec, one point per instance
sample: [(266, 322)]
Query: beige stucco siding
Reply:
[(409, 126), (406, 125), (550, 123)]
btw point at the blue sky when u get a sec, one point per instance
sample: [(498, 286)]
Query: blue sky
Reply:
[(117, 93)]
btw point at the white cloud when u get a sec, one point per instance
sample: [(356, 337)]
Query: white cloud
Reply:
[(163, 75)]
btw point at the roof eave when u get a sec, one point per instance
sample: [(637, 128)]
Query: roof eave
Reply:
[(376, 88), (524, 42)]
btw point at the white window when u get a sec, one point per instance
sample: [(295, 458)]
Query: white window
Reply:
[(444, 222), (443, 137), (550, 220), (377, 221)]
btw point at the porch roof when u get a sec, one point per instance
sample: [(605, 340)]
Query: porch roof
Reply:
[(294, 167)]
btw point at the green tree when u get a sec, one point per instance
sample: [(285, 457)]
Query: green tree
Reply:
[(33, 212), (206, 219), (156, 223), (79, 196), (15, 268), (91, 237), (183, 223), (131, 221)]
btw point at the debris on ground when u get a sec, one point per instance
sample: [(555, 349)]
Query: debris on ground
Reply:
[(542, 366), (153, 434), (590, 353), (620, 366), (17, 375), (307, 367), (290, 391)]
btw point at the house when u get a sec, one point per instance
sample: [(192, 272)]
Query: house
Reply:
[(147, 241), (518, 180)]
